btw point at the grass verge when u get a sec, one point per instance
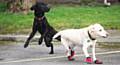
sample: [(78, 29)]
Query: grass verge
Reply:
[(63, 17)]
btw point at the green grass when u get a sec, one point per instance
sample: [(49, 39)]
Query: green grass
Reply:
[(11, 23), (63, 17), (76, 17)]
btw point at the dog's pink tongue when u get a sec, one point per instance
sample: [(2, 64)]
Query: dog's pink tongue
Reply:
[(88, 60)]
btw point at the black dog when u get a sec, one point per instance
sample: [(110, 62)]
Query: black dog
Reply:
[(41, 25)]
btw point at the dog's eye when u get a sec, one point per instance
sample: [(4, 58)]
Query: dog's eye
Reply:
[(100, 30)]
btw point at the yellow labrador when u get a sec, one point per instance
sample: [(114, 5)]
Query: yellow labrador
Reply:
[(85, 37)]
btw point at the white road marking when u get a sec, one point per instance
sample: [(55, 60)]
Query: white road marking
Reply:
[(48, 58)]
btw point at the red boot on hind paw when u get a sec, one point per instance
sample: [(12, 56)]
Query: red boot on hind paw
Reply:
[(70, 58), (72, 53), (98, 62), (88, 60)]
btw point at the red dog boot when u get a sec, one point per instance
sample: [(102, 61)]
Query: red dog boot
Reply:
[(98, 62), (88, 60), (70, 58)]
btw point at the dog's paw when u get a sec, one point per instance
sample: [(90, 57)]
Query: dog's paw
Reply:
[(26, 45), (70, 58), (51, 53), (98, 62), (89, 60), (40, 42)]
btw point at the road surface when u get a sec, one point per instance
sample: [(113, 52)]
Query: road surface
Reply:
[(15, 54)]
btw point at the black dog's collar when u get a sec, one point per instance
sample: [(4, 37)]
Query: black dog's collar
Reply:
[(40, 18), (90, 36)]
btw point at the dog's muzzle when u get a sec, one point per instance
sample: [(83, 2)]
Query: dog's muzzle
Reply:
[(105, 35)]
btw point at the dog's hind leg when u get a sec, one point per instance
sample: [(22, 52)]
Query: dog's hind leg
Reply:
[(52, 49), (67, 47), (49, 44), (71, 47)]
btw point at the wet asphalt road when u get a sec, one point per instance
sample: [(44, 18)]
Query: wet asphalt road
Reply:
[(15, 54)]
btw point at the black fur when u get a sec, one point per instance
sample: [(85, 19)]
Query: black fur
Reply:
[(41, 25)]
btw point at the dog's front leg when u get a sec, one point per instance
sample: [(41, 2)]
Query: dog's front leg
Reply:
[(40, 40), (88, 58), (85, 46), (30, 37), (93, 51), (96, 61)]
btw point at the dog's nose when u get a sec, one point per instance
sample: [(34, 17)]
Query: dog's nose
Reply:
[(107, 34)]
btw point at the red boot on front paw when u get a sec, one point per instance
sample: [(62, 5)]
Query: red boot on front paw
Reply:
[(88, 60), (70, 58), (98, 62)]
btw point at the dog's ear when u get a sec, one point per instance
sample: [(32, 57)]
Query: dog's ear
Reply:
[(91, 28), (49, 6), (33, 7), (46, 8)]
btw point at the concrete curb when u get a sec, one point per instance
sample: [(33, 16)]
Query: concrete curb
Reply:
[(22, 38), (18, 38)]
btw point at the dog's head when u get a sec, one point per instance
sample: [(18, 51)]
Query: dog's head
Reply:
[(40, 8), (98, 30)]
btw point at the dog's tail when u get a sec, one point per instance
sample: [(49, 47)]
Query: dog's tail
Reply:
[(57, 35)]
